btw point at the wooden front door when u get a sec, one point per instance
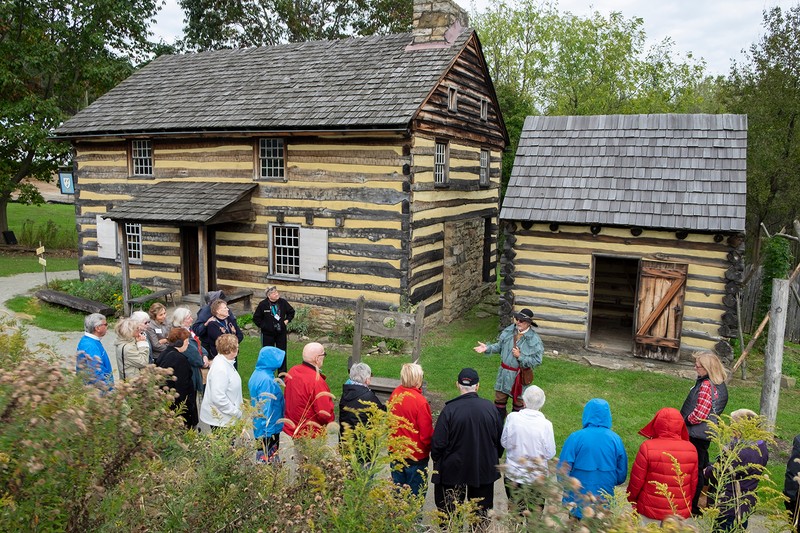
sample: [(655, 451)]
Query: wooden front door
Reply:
[(190, 261), (659, 310)]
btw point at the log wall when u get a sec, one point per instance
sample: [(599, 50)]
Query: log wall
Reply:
[(551, 272)]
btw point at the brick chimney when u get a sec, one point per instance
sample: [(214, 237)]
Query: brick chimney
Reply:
[(438, 21)]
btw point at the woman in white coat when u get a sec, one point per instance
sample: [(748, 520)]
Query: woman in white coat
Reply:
[(222, 401)]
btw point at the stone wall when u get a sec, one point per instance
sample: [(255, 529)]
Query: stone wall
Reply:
[(463, 267)]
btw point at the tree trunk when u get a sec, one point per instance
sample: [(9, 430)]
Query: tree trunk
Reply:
[(4, 213), (773, 356)]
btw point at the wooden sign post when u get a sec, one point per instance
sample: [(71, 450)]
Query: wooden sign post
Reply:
[(43, 262)]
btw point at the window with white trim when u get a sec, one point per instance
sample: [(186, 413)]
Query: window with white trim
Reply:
[(142, 157), (452, 99), (133, 233), (271, 158), (296, 252), (440, 163), (484, 109), (108, 244), (484, 170), (285, 251)]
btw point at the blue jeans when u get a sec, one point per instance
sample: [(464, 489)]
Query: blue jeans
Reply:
[(415, 475)]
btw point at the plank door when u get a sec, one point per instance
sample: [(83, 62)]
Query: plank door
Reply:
[(659, 310), (190, 261)]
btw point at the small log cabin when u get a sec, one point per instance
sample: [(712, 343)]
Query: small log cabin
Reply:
[(334, 169), (626, 231)]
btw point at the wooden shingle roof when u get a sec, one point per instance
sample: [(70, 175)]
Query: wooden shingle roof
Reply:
[(665, 171), (184, 203), (369, 82)]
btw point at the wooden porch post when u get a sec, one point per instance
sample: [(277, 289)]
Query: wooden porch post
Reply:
[(122, 239), (202, 246)]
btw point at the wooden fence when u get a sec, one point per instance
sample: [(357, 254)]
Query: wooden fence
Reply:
[(749, 300)]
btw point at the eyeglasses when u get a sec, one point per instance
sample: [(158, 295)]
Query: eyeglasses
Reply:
[(103, 324), (322, 354)]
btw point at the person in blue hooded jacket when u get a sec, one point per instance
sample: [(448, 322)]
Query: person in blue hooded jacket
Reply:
[(267, 397), (594, 455)]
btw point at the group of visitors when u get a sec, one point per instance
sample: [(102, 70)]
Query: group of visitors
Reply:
[(667, 476)]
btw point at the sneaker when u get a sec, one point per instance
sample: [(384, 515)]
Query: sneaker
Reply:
[(261, 457)]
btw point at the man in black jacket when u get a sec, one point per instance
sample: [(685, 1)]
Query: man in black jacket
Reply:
[(466, 448), (272, 316)]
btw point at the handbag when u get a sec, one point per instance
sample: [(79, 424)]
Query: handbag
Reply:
[(526, 376)]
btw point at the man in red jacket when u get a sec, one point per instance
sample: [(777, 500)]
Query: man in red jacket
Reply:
[(309, 402), (668, 443)]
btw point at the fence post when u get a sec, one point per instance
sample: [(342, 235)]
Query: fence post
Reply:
[(773, 356)]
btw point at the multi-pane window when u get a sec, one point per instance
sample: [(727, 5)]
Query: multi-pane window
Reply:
[(484, 109), (285, 251), (452, 99), (484, 171), (134, 236), (440, 164), (271, 158), (142, 157)]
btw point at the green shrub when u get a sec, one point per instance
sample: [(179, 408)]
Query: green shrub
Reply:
[(301, 324), (777, 262), (244, 320), (105, 288), (47, 234), (343, 328)]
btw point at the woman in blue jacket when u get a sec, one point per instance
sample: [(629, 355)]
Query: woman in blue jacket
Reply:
[(594, 455), (267, 397)]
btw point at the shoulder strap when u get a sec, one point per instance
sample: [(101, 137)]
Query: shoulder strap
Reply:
[(124, 376)]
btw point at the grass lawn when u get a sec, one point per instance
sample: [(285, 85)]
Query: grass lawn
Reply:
[(634, 396), (45, 315), (20, 264), (62, 215)]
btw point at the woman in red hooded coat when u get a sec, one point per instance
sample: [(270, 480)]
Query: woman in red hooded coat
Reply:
[(668, 441)]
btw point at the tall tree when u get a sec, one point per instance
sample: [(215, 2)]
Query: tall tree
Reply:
[(766, 86), (57, 56), (212, 24), (593, 65)]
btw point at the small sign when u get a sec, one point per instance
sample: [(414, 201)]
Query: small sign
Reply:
[(66, 182), (43, 261), (40, 250)]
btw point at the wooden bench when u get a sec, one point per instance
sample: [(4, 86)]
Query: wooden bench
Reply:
[(387, 324), (74, 302), (163, 293), (243, 296)]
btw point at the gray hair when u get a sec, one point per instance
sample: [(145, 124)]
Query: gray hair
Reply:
[(360, 372), (467, 388), (126, 329), (140, 316), (91, 322), (179, 315), (270, 290), (533, 397)]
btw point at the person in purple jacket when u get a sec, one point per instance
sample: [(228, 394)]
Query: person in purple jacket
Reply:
[(740, 475)]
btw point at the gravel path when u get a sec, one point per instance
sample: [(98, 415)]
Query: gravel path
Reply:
[(62, 343)]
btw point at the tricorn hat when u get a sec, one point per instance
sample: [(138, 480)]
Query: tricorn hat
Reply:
[(526, 315)]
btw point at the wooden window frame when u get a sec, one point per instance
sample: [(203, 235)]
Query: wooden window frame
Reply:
[(271, 158), (284, 251), (141, 157), (485, 168), (134, 236), (441, 164), (452, 99), (484, 109)]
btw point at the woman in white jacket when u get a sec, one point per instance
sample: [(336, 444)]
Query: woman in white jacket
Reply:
[(222, 401)]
